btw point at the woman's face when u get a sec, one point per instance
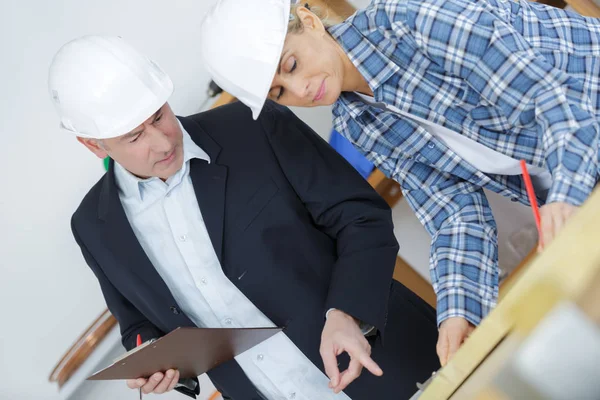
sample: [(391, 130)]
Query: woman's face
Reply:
[(310, 72)]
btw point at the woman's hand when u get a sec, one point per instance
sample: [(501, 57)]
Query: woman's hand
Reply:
[(553, 217)]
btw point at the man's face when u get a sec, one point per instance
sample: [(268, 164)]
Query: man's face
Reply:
[(155, 148)]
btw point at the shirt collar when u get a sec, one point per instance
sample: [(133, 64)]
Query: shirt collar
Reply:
[(374, 66), (131, 185)]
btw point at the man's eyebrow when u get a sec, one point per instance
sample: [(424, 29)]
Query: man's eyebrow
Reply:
[(137, 132), (132, 134)]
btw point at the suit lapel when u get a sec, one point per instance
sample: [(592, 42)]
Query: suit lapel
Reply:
[(209, 185), (120, 239)]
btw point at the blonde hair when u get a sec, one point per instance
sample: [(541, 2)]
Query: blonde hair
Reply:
[(295, 25)]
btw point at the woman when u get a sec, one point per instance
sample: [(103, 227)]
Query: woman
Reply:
[(445, 96)]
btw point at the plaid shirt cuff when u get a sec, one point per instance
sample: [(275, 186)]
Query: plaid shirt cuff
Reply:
[(461, 302), (571, 190)]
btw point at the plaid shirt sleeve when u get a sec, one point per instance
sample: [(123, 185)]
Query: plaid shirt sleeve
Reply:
[(456, 213), (472, 40), (464, 248)]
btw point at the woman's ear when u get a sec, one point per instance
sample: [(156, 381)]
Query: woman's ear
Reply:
[(94, 146), (309, 19)]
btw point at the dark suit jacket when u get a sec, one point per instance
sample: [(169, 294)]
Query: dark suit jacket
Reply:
[(295, 227)]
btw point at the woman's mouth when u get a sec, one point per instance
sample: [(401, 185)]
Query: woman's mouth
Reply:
[(320, 92)]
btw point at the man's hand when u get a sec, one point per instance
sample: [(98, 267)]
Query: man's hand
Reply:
[(453, 332), (158, 383), (341, 333), (553, 217)]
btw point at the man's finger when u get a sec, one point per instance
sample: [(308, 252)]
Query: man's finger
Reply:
[(153, 381), (349, 375), (164, 384), (330, 364), (174, 381), (136, 383), (370, 364)]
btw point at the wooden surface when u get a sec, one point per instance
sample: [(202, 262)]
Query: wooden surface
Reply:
[(585, 7), (334, 10), (568, 269)]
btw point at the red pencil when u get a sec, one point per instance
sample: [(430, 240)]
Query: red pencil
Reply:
[(532, 198), (138, 342)]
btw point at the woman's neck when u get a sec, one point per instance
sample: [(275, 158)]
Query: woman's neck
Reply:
[(353, 81)]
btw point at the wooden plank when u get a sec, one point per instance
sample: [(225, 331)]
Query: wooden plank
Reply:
[(387, 188), (224, 98), (566, 270)]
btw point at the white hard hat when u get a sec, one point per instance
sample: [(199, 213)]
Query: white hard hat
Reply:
[(103, 88), (241, 43)]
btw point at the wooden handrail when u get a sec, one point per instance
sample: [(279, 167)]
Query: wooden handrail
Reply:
[(83, 347)]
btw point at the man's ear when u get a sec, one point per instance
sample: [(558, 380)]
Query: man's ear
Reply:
[(94, 146), (309, 19)]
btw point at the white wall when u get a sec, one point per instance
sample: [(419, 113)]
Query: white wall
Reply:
[(48, 294)]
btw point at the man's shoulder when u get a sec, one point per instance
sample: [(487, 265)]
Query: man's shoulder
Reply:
[(236, 112), (229, 120), (87, 210)]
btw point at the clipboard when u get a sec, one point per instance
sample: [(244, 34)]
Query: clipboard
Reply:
[(192, 351)]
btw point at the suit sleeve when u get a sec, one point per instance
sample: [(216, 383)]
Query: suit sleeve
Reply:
[(131, 321), (345, 207)]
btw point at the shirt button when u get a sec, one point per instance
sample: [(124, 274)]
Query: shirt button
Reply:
[(228, 321), (204, 281), (514, 199), (431, 145), (174, 310), (260, 357), (183, 238)]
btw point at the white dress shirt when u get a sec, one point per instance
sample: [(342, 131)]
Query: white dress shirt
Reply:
[(478, 155), (166, 219)]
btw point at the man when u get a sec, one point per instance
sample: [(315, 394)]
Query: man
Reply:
[(217, 220)]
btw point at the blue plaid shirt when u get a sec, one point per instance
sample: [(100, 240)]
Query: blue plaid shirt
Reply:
[(521, 78)]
